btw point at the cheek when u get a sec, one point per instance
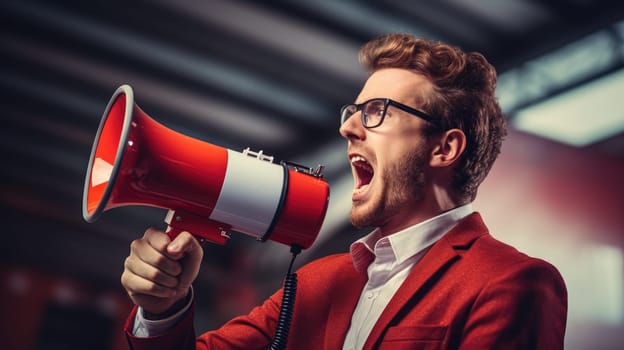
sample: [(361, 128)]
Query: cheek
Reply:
[(397, 152), (392, 148), (401, 159)]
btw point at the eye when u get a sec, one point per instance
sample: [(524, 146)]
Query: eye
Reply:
[(375, 109)]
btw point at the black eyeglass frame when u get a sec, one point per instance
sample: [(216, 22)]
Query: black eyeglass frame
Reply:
[(387, 102)]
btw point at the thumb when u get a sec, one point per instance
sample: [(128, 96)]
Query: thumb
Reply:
[(181, 245), (188, 251)]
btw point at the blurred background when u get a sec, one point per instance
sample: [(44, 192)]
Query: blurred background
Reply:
[(272, 76)]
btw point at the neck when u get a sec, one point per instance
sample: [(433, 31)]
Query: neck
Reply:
[(443, 200), (435, 202)]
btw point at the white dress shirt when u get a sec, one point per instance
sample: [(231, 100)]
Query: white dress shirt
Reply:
[(392, 257)]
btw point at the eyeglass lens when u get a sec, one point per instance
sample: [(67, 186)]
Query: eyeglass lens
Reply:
[(372, 112)]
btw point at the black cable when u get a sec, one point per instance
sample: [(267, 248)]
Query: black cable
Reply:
[(288, 303)]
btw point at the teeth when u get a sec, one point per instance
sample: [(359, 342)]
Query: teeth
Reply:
[(361, 162), (355, 159)]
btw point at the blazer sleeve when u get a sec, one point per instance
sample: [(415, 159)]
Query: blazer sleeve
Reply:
[(252, 331), (523, 308), (181, 336)]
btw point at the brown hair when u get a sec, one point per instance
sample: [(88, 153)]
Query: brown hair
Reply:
[(463, 98)]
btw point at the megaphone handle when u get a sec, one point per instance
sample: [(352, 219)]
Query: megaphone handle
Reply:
[(200, 227)]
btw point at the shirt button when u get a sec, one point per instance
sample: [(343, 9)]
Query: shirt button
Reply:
[(370, 295)]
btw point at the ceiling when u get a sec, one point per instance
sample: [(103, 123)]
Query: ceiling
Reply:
[(268, 75)]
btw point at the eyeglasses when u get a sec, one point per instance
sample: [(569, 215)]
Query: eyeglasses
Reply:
[(374, 111)]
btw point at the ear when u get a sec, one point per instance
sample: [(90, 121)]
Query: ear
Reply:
[(448, 148)]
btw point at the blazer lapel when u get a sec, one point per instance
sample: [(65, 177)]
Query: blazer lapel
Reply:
[(440, 255), (347, 293)]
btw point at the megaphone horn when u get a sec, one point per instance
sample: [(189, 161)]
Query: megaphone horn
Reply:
[(209, 190)]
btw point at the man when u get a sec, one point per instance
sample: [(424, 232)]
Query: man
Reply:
[(422, 135)]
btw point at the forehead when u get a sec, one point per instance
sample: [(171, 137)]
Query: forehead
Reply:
[(398, 84)]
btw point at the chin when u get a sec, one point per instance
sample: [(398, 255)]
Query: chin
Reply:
[(365, 215)]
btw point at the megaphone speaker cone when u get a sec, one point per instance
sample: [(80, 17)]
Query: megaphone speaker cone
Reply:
[(137, 161)]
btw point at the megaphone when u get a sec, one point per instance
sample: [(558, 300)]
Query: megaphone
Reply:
[(208, 190)]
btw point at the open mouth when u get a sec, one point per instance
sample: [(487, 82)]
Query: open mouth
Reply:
[(363, 172)]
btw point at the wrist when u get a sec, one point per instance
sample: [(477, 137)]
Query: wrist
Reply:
[(172, 310)]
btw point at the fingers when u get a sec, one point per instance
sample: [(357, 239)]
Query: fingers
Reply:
[(152, 250), (149, 270), (158, 271), (137, 285), (186, 248)]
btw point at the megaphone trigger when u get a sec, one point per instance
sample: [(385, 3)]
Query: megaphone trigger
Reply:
[(202, 228)]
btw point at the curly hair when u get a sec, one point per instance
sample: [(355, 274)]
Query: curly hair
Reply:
[(463, 97)]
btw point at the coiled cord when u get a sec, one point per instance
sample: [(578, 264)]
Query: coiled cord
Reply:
[(288, 303)]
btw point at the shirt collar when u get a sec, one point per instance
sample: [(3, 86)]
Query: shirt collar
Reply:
[(407, 242)]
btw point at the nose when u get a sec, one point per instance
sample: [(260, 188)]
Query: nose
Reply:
[(352, 128)]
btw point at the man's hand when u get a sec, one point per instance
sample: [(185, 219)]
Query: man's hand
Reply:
[(159, 272)]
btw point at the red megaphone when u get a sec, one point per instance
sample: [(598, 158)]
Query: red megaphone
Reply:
[(209, 190)]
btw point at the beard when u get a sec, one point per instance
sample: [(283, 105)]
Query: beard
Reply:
[(402, 184)]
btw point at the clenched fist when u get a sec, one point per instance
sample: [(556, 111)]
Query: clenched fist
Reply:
[(159, 272)]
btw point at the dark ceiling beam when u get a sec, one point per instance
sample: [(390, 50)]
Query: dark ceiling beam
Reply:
[(573, 23), (258, 89), (457, 26), (294, 9)]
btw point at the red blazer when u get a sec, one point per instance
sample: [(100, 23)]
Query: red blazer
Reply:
[(469, 291)]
